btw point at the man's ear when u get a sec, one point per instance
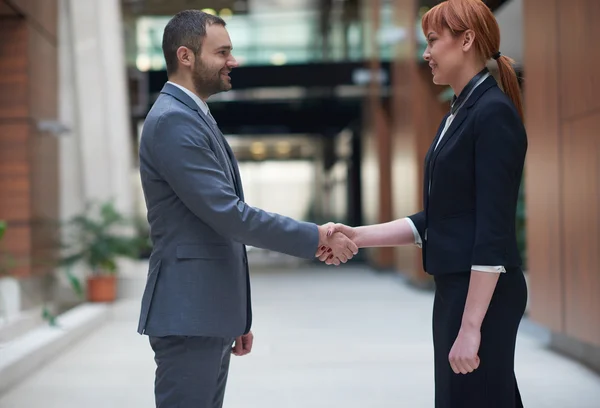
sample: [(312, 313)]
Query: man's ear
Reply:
[(468, 39), (185, 56)]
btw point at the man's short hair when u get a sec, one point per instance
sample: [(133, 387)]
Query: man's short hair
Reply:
[(188, 29)]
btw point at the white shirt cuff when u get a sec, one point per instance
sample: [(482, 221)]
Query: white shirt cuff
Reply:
[(416, 234), (491, 269)]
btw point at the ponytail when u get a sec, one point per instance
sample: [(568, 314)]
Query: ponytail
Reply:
[(510, 83)]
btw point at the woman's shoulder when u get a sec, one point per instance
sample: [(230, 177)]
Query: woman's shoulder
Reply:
[(495, 110), (496, 103)]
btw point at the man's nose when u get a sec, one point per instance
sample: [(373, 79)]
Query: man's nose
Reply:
[(232, 63)]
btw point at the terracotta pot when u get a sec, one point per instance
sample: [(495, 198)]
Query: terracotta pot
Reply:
[(102, 288)]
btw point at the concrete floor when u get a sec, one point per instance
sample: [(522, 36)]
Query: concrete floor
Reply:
[(335, 337)]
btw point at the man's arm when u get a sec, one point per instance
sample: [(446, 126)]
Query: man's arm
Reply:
[(190, 167)]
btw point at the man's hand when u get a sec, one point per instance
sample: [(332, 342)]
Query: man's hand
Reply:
[(335, 246), (463, 356), (243, 344)]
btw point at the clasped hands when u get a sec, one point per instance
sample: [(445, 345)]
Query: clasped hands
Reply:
[(336, 243)]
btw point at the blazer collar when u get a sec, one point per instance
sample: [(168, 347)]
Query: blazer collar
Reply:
[(175, 92), (462, 114), (489, 82), (181, 96), (459, 100)]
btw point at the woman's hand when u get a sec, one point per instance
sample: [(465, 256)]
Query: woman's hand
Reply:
[(325, 254), (463, 355)]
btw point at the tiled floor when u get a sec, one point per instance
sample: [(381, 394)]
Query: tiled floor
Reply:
[(336, 337)]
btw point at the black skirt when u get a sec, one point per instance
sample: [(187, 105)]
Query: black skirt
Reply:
[(493, 384)]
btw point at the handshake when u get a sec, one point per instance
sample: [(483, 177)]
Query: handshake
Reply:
[(337, 243)]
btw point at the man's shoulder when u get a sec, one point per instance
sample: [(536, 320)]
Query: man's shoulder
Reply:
[(168, 107)]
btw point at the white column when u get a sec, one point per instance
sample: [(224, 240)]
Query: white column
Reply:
[(72, 190), (96, 157), (117, 116)]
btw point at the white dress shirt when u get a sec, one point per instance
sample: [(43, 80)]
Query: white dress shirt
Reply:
[(418, 241)]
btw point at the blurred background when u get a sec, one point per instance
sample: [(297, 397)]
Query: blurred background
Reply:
[(331, 114)]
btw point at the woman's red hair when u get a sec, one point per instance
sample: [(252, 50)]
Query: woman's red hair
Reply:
[(459, 16)]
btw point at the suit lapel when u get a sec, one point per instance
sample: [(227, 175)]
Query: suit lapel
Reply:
[(428, 157), (462, 114), (222, 144), (178, 94), (454, 126), (232, 165), (435, 140)]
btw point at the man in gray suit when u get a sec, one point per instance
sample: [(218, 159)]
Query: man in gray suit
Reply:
[(196, 306)]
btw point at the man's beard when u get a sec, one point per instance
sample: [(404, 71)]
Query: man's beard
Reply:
[(208, 82)]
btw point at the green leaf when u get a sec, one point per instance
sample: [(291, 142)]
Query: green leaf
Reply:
[(2, 228), (74, 282), (49, 316)]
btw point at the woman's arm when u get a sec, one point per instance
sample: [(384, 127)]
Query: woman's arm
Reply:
[(499, 154), (393, 233), (481, 289)]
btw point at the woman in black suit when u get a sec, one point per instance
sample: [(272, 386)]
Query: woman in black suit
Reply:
[(467, 228)]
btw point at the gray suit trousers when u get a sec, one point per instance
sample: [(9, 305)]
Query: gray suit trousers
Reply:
[(191, 371)]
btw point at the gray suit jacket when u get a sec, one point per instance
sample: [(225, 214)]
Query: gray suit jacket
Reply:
[(198, 282)]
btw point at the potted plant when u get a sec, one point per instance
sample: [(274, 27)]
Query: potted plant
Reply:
[(98, 237)]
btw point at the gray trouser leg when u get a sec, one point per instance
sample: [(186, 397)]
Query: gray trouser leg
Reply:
[(191, 372)]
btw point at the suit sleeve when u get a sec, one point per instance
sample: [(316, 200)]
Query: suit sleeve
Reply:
[(189, 165), (499, 154), (418, 222)]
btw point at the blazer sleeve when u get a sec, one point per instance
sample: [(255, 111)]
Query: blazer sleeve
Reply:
[(500, 147), (188, 164), (418, 221)]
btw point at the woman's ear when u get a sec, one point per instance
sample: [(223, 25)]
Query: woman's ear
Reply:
[(468, 40)]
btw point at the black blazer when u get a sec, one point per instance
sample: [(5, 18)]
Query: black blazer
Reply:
[(471, 186)]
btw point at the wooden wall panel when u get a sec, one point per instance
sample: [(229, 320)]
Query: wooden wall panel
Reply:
[(14, 172), (581, 226), (406, 166), (579, 59), (542, 171), (563, 168), (13, 69), (378, 123)]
